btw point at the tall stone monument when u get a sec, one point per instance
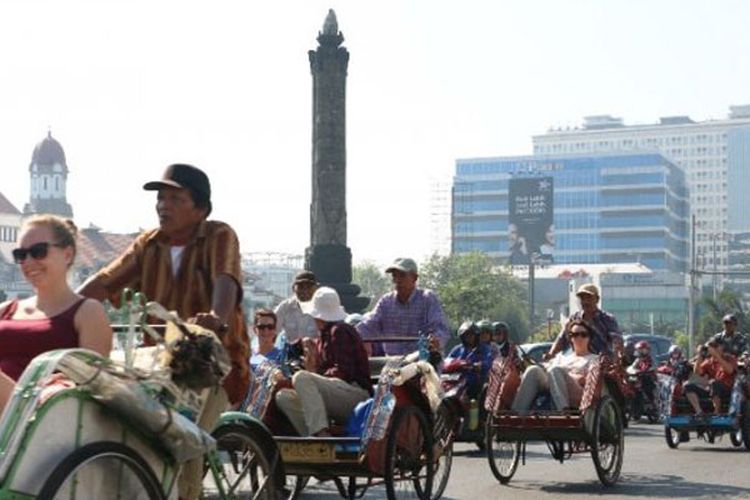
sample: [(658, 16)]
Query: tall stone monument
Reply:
[(328, 256)]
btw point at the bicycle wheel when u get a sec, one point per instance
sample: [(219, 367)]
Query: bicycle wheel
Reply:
[(607, 441), (409, 460), (246, 468), (502, 455), (672, 437), (104, 469)]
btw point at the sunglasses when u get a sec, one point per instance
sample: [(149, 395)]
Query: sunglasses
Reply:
[(578, 333), (37, 251), (265, 327)]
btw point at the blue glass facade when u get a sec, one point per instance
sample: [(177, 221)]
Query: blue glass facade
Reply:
[(609, 208)]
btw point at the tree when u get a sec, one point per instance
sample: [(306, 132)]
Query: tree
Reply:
[(373, 281), (470, 286), (711, 311)]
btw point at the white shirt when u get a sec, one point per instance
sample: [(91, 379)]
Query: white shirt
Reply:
[(573, 363), (176, 253), (293, 322)]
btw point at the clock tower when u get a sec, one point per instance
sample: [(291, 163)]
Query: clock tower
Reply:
[(48, 173)]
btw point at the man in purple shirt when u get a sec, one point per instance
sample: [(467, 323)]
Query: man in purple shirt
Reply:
[(407, 311)]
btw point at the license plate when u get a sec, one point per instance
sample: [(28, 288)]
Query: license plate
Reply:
[(308, 452)]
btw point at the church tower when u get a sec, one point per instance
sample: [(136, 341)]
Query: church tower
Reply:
[(49, 175)]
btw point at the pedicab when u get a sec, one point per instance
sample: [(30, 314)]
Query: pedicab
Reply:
[(388, 439), (80, 426), (595, 427), (734, 418)]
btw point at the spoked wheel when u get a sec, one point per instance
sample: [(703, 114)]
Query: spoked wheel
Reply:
[(672, 437), (245, 467), (607, 440), (442, 472), (736, 438), (293, 486), (502, 455), (102, 470), (409, 460)]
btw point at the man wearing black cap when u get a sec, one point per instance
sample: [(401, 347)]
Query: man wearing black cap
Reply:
[(295, 323), (192, 266), (734, 342)]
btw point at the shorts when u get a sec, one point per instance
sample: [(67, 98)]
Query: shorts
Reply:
[(715, 388)]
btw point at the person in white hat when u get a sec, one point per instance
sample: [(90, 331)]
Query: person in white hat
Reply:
[(337, 371), (606, 337)]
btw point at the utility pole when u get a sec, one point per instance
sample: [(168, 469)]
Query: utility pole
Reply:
[(532, 261), (691, 291)]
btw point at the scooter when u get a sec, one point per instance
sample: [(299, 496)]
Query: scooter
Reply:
[(466, 413), (642, 403)]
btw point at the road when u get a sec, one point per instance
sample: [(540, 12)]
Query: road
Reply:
[(696, 470)]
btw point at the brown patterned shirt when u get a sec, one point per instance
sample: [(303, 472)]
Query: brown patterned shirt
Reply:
[(147, 267)]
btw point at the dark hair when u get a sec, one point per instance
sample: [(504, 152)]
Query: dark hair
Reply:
[(64, 231), (201, 200), (580, 322), (264, 313)]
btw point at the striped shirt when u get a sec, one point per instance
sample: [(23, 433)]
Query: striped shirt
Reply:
[(214, 250)]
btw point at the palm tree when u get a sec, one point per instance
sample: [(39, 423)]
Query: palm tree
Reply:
[(711, 311)]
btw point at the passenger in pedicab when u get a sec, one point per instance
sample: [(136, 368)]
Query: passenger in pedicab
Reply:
[(606, 336), (475, 352), (501, 337), (55, 317), (292, 322), (190, 265), (564, 376), (720, 368), (264, 327), (407, 311), (336, 373)]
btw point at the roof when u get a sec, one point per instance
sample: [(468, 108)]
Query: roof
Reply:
[(97, 248), (48, 152), (6, 207)]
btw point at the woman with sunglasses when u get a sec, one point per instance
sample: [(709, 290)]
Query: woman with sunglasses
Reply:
[(564, 375), (55, 317)]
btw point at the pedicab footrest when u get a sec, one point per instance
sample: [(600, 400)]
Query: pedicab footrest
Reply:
[(691, 421), (539, 420), (311, 450)]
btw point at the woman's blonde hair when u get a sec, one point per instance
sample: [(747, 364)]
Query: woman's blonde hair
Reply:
[(64, 231)]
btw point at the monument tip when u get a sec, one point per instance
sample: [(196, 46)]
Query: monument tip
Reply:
[(331, 25)]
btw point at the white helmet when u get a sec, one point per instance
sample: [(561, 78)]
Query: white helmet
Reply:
[(354, 319), (675, 351)]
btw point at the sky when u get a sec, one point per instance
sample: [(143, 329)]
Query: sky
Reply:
[(128, 87)]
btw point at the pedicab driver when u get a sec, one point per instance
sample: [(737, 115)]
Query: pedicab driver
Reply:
[(190, 265), (605, 333), (406, 311), (336, 375)]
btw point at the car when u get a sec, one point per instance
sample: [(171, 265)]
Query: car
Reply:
[(535, 350), (659, 344)]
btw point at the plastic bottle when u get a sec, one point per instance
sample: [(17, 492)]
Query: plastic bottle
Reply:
[(473, 415), (383, 412)]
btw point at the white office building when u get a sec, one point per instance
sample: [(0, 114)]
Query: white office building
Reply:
[(714, 154)]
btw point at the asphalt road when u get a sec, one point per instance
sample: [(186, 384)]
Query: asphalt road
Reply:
[(696, 470)]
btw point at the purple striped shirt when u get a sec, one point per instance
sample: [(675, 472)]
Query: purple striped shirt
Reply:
[(421, 313)]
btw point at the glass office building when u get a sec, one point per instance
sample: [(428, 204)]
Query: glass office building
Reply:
[(607, 208)]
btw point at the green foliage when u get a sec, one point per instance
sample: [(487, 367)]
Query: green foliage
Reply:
[(711, 311), (373, 281), (471, 287)]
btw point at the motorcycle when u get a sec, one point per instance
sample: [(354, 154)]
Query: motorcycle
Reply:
[(466, 412), (641, 403)]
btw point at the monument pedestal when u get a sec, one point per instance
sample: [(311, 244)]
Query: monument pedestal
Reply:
[(332, 265)]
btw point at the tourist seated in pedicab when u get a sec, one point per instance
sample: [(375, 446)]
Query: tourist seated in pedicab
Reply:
[(501, 337), (264, 327), (55, 317), (719, 368), (336, 374), (564, 376), (475, 352)]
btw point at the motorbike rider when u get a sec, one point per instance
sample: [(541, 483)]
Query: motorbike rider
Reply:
[(675, 364), (501, 337), (472, 350), (735, 343), (720, 367), (485, 337), (643, 367)]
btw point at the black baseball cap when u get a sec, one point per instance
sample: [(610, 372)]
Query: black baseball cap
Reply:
[(183, 176)]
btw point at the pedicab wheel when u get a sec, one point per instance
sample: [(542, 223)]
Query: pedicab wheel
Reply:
[(672, 437), (745, 424), (736, 437), (442, 472), (93, 467), (409, 459), (246, 467), (502, 455), (607, 440)]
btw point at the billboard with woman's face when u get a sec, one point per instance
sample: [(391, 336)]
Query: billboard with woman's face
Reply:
[(531, 231)]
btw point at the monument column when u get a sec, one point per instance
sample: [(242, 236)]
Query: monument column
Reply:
[(328, 256)]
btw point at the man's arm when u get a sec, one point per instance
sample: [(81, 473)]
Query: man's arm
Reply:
[(558, 345), (123, 272)]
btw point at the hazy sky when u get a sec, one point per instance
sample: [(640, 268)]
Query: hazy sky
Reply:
[(131, 86)]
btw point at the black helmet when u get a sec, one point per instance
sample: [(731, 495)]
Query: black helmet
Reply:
[(467, 328), (500, 326)]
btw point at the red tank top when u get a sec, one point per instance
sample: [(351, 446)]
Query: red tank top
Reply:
[(23, 339)]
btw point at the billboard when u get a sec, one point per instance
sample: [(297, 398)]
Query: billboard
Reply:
[(531, 231)]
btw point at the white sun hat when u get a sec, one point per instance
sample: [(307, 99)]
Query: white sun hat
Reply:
[(325, 305)]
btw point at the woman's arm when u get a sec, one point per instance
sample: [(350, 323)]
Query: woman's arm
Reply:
[(7, 385), (93, 328)]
